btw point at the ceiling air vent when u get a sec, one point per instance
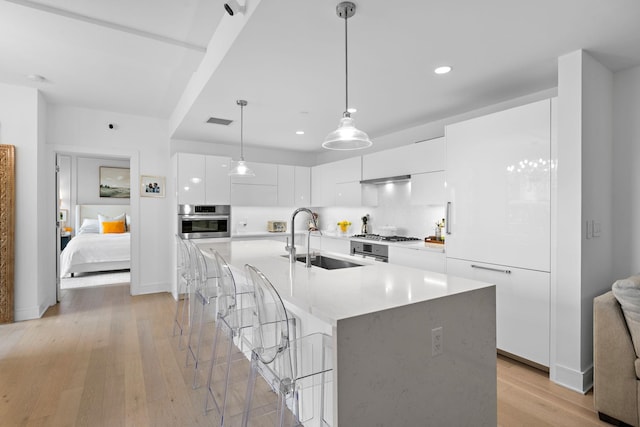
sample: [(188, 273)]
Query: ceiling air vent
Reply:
[(217, 121)]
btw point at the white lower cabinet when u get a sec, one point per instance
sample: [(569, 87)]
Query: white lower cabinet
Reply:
[(418, 258), (522, 306)]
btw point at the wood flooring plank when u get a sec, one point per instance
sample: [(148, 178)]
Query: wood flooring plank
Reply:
[(68, 407)]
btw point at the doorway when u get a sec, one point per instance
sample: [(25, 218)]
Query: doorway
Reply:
[(85, 255)]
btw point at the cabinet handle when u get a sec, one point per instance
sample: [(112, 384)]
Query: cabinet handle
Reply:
[(499, 270), (447, 223)]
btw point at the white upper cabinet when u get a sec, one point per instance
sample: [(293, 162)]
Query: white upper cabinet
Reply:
[(347, 170), (266, 174), (286, 185), (202, 179), (258, 190), (217, 180), (498, 187), (425, 156), (191, 179), (338, 184), (294, 185), (322, 186), (428, 188), (254, 195), (302, 186)]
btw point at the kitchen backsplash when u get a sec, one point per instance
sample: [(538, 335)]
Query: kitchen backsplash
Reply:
[(394, 209), (254, 219)]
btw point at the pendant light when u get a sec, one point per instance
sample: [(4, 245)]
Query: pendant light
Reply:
[(347, 136), (241, 168)]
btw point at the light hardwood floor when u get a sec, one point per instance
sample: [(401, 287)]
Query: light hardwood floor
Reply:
[(104, 358)]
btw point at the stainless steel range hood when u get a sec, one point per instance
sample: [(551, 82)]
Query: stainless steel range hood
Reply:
[(399, 178)]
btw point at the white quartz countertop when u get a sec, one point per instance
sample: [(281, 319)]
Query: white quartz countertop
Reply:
[(332, 295)]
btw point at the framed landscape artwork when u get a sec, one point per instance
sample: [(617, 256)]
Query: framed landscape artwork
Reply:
[(114, 182), (152, 186)]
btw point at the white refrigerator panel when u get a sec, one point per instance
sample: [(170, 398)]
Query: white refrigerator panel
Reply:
[(498, 187)]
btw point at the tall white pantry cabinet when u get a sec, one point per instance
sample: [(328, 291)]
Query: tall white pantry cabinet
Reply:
[(498, 170)]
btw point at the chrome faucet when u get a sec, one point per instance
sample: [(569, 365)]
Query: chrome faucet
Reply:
[(292, 247)]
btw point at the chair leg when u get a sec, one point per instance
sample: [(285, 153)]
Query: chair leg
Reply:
[(214, 351), (227, 374), (282, 408), (175, 317), (197, 355), (185, 314), (190, 352), (251, 382)]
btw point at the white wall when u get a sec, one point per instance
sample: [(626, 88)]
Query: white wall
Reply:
[(597, 197), (88, 180), (145, 142), (583, 267), (20, 111), (626, 173), (47, 204)]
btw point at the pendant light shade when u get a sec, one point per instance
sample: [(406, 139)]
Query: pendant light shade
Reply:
[(240, 168), (347, 136)]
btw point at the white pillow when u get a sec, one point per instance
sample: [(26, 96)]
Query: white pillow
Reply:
[(627, 292), (89, 225), (102, 218)]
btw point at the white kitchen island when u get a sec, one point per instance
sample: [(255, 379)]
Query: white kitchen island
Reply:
[(382, 319)]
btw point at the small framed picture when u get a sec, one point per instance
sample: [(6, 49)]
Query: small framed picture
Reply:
[(152, 186), (62, 215)]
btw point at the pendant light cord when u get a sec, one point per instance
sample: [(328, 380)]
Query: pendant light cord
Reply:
[(346, 69), (241, 132)]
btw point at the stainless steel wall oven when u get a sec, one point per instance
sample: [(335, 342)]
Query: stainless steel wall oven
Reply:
[(204, 221)]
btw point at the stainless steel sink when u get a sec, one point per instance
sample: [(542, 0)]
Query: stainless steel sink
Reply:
[(326, 262)]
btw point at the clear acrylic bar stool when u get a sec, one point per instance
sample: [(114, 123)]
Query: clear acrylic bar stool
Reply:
[(297, 369), (205, 286), (230, 320), (184, 280)]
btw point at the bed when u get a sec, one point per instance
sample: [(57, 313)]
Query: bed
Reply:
[(92, 250)]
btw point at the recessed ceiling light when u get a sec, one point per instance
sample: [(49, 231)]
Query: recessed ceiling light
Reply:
[(36, 78), (352, 110), (299, 132), (442, 70)]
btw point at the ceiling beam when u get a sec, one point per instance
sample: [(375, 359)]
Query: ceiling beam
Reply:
[(107, 24)]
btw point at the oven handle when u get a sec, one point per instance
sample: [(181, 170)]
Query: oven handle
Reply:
[(199, 217)]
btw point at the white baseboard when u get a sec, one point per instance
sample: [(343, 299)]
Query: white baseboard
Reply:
[(580, 381), (152, 288), (27, 313)]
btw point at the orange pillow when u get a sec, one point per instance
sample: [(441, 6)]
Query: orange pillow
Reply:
[(113, 227)]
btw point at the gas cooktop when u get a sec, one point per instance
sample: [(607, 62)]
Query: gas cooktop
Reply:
[(385, 238)]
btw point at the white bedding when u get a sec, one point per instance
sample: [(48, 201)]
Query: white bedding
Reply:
[(96, 252)]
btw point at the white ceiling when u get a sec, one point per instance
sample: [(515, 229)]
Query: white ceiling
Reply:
[(137, 56)]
